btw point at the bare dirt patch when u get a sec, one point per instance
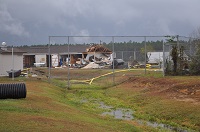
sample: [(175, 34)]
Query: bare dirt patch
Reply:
[(180, 89)]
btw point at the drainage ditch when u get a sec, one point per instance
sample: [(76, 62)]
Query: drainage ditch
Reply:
[(128, 114)]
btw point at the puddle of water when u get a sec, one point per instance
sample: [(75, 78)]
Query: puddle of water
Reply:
[(84, 101), (103, 106), (163, 126), (119, 113), (127, 114)]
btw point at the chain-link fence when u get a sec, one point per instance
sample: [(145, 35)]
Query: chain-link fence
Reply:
[(88, 59), (110, 57), (118, 56)]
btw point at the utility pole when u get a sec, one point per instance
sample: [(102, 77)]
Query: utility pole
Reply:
[(12, 64)]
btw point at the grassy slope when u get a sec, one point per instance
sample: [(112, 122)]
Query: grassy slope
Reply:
[(46, 109), (151, 103)]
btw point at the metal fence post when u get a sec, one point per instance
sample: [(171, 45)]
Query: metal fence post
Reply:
[(68, 72), (163, 58), (49, 77), (145, 52), (113, 46), (12, 64)]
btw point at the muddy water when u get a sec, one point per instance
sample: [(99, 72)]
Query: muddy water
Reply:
[(163, 126), (119, 113), (127, 114)]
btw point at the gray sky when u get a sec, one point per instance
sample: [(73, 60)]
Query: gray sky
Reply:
[(27, 22)]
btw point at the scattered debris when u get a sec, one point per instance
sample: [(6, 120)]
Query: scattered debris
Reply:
[(98, 48), (34, 75), (39, 64), (118, 63), (92, 65), (96, 56)]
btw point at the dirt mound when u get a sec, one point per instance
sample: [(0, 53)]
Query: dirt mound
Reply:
[(181, 89)]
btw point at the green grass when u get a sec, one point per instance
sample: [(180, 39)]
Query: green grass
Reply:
[(158, 109), (47, 109), (53, 107)]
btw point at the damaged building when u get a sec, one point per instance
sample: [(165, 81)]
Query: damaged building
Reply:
[(98, 56), (77, 56)]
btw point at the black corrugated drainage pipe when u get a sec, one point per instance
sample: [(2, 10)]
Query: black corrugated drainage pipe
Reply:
[(12, 91)]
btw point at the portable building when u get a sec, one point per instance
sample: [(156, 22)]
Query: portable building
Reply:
[(10, 59)]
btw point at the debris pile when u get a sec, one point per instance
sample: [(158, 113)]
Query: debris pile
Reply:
[(98, 48), (92, 65), (95, 56), (98, 56)]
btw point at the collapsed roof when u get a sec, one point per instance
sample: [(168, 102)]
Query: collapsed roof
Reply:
[(98, 48)]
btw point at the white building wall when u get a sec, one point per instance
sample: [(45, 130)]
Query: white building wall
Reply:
[(6, 63), (55, 60), (156, 57), (40, 59)]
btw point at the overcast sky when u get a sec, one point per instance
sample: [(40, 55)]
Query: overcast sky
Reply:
[(28, 22)]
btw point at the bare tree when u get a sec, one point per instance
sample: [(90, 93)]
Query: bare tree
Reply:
[(195, 58)]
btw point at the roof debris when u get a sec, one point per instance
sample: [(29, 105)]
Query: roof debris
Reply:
[(98, 48)]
